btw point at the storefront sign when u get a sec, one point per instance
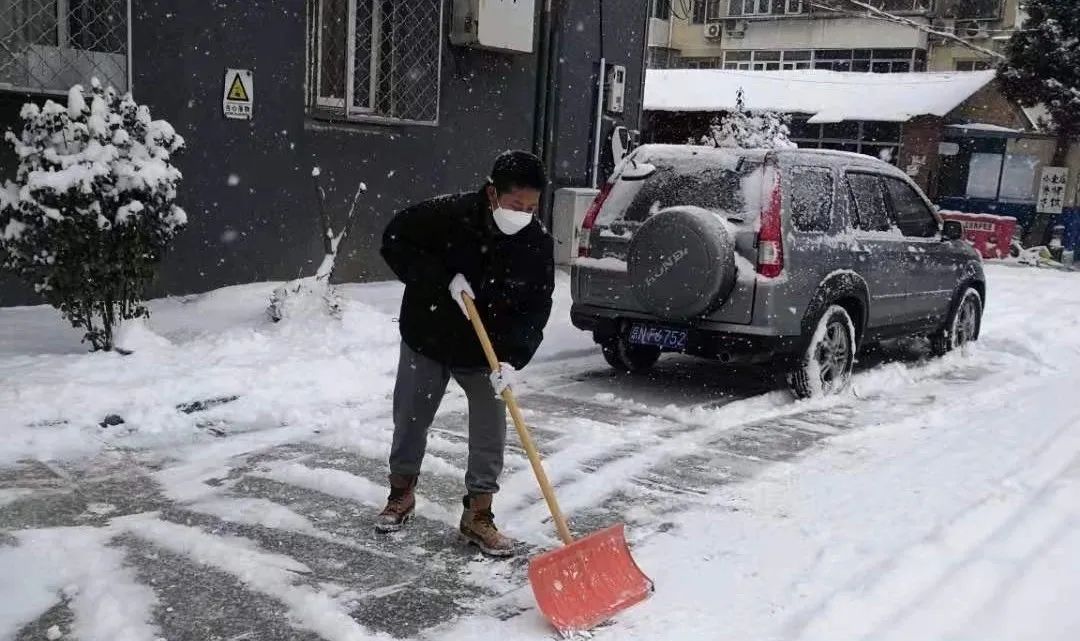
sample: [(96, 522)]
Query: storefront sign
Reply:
[(1052, 184)]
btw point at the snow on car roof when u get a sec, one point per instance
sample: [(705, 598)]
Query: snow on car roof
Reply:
[(828, 96)]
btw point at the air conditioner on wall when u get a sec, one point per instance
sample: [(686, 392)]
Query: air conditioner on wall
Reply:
[(714, 31), (500, 25)]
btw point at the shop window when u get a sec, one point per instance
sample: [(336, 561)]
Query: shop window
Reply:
[(984, 173), (1018, 178)]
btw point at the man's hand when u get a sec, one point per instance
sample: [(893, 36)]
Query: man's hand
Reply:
[(459, 286), (505, 378)]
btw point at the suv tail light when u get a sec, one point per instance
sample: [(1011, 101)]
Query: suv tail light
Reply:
[(590, 219), (770, 237)]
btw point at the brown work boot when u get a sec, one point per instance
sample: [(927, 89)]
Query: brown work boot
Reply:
[(478, 527), (399, 507)]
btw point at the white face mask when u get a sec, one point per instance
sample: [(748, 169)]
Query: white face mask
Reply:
[(510, 221)]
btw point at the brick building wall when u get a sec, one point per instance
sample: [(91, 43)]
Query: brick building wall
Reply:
[(919, 151), (990, 106)]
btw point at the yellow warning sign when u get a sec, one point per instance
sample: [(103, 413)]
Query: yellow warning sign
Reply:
[(238, 95), (237, 91)]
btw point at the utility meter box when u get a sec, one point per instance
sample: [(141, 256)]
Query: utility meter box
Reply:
[(501, 25), (567, 215), (616, 89)]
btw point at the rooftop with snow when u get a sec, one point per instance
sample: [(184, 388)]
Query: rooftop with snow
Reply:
[(827, 96)]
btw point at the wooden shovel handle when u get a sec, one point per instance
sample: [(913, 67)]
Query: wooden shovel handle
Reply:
[(519, 424)]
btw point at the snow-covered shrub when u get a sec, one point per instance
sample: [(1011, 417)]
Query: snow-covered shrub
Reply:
[(745, 129), (91, 211)]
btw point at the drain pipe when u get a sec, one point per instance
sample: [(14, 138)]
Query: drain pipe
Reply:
[(598, 131)]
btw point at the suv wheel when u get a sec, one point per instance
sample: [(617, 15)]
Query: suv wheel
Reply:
[(623, 356), (963, 325), (826, 368)]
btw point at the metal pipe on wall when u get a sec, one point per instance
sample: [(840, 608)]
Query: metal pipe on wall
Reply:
[(599, 125)]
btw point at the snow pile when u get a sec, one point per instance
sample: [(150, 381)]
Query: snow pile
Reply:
[(205, 361), (828, 96)]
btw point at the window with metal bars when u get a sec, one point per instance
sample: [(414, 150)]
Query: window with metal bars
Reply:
[(46, 46), (375, 60)]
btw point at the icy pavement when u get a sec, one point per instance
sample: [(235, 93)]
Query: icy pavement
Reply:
[(938, 500)]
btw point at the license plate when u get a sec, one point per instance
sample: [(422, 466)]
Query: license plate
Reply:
[(665, 337)]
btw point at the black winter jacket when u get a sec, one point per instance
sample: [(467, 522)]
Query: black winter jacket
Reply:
[(512, 277)]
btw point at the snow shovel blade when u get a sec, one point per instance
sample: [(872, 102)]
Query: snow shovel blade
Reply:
[(588, 581)]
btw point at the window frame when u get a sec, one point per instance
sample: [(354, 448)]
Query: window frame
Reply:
[(63, 35), (345, 110), (754, 5), (856, 214), (699, 12), (895, 212), (799, 10)]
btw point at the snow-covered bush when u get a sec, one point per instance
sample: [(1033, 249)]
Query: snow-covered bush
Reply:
[(91, 211), (745, 129)]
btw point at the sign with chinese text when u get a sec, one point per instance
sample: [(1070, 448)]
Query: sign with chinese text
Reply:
[(1052, 184)]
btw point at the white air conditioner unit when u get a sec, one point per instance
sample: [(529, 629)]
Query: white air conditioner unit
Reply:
[(714, 31), (500, 25), (738, 28)]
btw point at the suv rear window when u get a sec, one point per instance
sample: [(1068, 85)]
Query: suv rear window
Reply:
[(693, 182)]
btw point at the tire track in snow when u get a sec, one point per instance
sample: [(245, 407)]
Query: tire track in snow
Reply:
[(972, 583), (867, 611)]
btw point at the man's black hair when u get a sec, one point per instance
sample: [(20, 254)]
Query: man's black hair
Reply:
[(518, 170)]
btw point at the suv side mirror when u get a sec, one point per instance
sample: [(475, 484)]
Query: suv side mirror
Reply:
[(952, 230)]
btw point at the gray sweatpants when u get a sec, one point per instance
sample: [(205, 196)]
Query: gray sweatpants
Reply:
[(421, 383)]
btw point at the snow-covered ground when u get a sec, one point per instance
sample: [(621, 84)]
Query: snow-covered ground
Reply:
[(938, 500)]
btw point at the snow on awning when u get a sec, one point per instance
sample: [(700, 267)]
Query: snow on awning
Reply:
[(827, 96), (987, 127)]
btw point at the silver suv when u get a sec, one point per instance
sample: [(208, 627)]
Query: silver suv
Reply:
[(794, 258)]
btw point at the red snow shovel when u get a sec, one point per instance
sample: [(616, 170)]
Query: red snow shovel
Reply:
[(587, 581)]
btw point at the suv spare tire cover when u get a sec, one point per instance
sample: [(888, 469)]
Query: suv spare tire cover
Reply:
[(682, 263)]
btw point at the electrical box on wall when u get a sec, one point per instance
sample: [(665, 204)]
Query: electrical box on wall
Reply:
[(502, 25), (616, 89)]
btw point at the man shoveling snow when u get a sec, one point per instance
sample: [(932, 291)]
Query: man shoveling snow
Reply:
[(489, 245)]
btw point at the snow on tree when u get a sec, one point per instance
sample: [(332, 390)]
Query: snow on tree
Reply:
[(746, 129), (91, 210), (1043, 66)]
